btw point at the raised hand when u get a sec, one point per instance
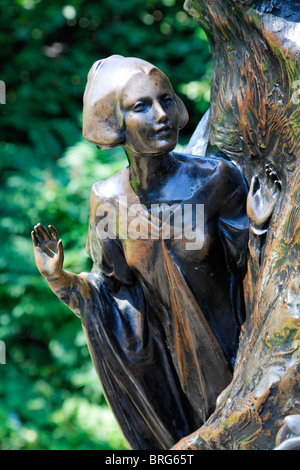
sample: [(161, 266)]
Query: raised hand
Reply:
[(48, 251), (262, 197)]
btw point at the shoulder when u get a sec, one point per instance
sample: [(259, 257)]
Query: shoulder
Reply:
[(231, 175), (194, 161), (215, 167), (109, 189)]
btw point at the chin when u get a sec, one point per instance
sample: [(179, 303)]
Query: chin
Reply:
[(165, 146)]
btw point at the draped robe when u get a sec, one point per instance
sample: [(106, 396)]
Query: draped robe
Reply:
[(162, 321)]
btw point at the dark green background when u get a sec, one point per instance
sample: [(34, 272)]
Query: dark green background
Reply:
[(50, 397)]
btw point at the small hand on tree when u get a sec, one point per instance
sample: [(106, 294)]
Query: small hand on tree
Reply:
[(48, 251), (262, 197)]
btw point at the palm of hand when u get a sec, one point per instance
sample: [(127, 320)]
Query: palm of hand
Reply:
[(48, 251), (262, 197)]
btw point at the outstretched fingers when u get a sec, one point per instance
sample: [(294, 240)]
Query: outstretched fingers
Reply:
[(34, 238), (60, 249), (277, 186), (254, 185), (53, 233), (270, 174), (272, 179), (41, 233), (44, 233)]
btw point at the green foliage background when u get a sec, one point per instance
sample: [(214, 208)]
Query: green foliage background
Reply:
[(50, 397)]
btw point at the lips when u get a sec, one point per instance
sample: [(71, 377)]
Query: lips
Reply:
[(162, 131)]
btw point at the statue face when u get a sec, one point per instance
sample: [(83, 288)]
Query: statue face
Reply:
[(151, 114)]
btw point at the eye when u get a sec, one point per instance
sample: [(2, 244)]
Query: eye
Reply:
[(139, 106), (167, 99)]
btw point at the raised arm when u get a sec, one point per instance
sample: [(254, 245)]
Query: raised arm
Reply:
[(71, 289)]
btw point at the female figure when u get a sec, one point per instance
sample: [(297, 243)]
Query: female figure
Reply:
[(161, 314)]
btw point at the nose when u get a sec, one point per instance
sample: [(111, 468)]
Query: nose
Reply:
[(160, 114)]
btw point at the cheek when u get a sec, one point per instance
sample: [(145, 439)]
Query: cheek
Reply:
[(137, 127), (174, 116)]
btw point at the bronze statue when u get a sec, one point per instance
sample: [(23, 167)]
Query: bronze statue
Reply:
[(163, 306)]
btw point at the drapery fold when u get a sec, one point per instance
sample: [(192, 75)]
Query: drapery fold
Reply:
[(162, 324)]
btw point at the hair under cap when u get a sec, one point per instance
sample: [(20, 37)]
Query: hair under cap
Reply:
[(102, 117)]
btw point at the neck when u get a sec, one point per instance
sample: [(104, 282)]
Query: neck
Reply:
[(145, 171)]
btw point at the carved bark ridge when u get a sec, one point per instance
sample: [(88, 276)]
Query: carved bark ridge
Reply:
[(254, 119)]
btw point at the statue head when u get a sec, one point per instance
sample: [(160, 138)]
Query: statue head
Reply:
[(129, 102)]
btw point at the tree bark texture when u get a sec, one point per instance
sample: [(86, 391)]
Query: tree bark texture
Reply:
[(254, 119)]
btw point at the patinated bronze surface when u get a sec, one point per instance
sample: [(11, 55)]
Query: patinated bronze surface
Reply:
[(254, 119), (175, 318), (161, 313)]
